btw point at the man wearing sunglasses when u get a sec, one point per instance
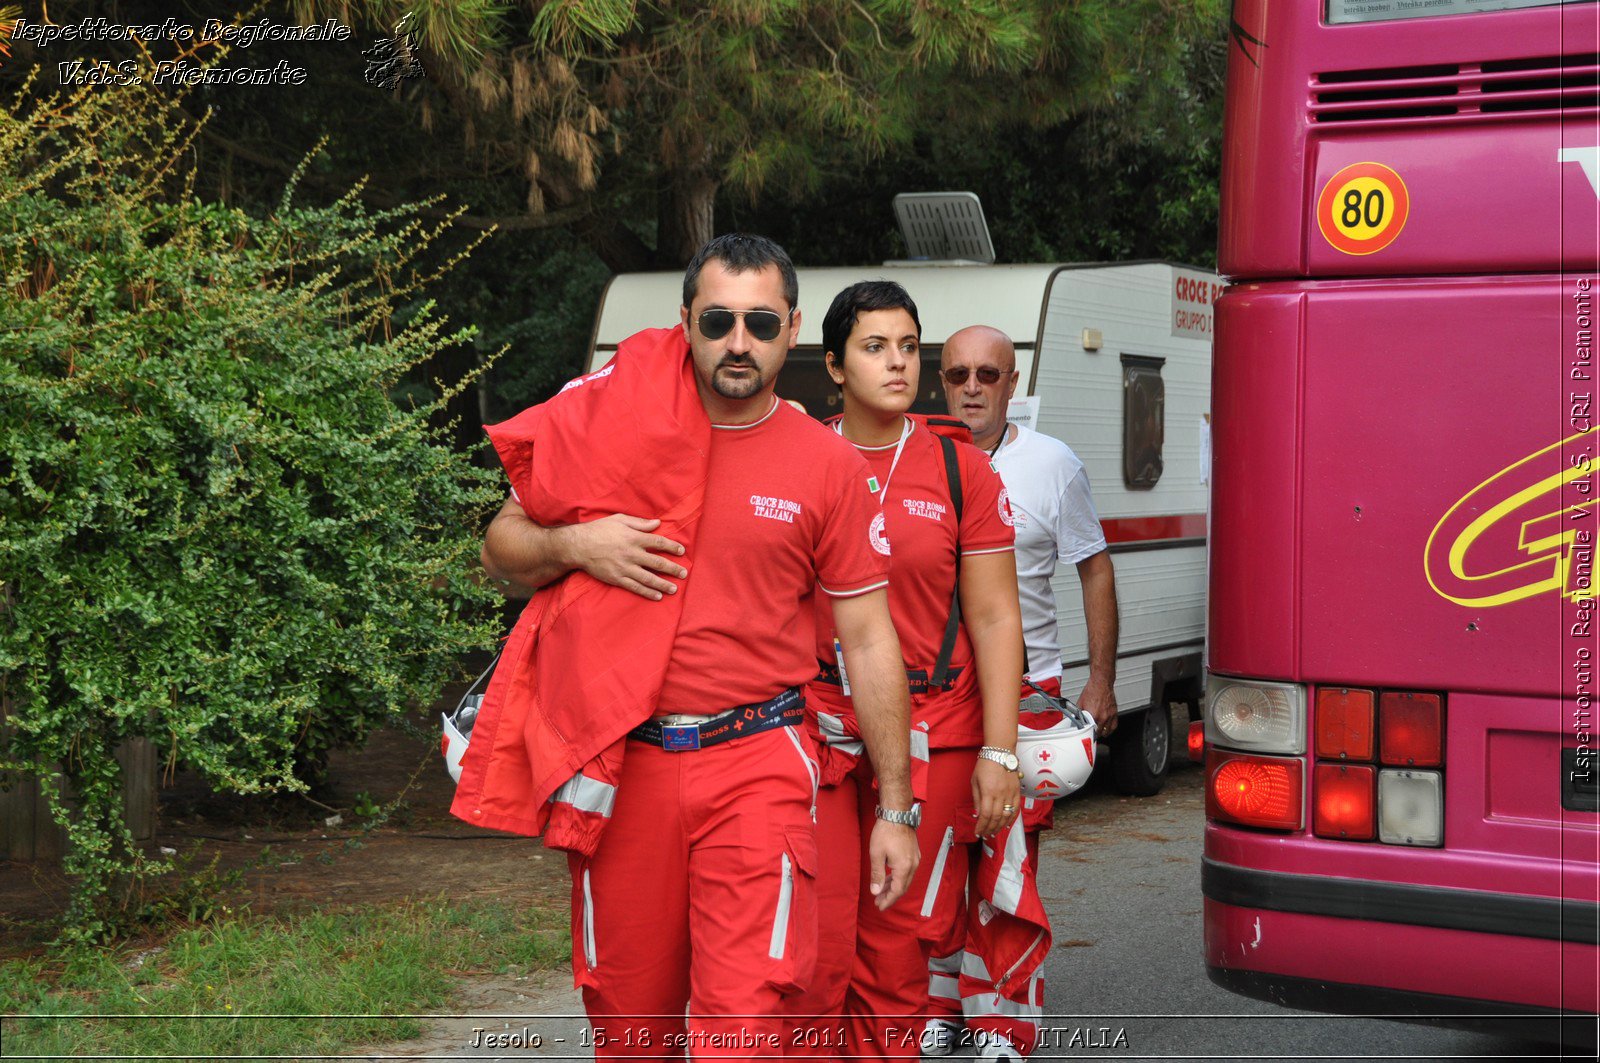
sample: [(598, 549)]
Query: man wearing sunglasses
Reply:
[(1055, 522), (694, 914)]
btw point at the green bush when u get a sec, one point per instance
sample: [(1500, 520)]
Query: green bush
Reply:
[(217, 530)]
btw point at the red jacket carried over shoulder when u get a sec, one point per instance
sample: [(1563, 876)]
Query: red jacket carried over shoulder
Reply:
[(585, 662)]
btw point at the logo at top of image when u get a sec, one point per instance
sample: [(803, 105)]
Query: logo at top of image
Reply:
[(1525, 531)]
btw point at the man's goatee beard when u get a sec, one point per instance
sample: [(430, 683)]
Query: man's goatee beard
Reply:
[(737, 389)]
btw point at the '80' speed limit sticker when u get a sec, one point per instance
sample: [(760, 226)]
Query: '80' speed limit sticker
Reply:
[(1362, 208)]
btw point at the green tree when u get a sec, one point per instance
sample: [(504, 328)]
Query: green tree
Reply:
[(217, 530), (1132, 178), (608, 110)]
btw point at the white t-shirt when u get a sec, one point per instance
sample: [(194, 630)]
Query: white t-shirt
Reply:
[(1055, 521)]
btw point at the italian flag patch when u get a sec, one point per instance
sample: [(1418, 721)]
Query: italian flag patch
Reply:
[(872, 484)]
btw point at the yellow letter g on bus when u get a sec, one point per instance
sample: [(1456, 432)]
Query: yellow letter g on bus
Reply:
[(1515, 535)]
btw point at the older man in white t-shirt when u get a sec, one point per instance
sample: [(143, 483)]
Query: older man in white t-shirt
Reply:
[(1055, 522), (1056, 519)]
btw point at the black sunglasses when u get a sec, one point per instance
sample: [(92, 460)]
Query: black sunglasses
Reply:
[(957, 375), (764, 325)]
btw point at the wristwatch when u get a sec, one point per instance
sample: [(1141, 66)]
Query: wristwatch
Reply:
[(1001, 756), (911, 817)]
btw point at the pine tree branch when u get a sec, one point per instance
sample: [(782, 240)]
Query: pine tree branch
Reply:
[(379, 198)]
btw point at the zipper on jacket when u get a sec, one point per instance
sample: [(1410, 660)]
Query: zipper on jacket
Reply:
[(998, 982)]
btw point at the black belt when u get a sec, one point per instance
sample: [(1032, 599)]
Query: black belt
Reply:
[(785, 710), (916, 678)]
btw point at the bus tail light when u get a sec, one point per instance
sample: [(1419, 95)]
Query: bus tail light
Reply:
[(1256, 716), (1364, 802), (1343, 802), (1410, 729), (1254, 791), (1197, 741), (1411, 807), (1344, 723)]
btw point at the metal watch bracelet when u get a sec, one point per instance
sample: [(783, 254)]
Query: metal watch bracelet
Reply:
[(1006, 758), (911, 817)]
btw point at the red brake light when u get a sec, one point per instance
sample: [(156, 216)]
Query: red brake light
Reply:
[(1254, 791), (1410, 729), (1344, 801), (1344, 723), (1197, 740)]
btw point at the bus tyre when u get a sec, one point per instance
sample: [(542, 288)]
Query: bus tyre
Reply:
[(1141, 749)]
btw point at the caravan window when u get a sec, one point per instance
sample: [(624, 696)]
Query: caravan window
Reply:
[(1144, 405), (804, 380)]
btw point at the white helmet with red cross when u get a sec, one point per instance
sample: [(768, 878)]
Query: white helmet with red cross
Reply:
[(458, 724), (1057, 760), (458, 733)]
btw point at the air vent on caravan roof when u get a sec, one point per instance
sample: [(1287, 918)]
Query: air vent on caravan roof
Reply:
[(943, 227)]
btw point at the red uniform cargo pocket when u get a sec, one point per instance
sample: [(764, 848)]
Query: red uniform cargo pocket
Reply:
[(793, 945), (946, 889)]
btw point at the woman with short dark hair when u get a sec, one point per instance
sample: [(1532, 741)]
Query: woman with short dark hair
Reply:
[(872, 964)]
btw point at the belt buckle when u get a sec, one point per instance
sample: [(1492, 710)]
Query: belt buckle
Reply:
[(680, 737)]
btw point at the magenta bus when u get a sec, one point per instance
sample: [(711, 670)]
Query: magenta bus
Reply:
[(1400, 750)]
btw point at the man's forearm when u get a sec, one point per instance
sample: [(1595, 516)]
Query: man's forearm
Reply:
[(1100, 616), (619, 549), (527, 554), (883, 710)]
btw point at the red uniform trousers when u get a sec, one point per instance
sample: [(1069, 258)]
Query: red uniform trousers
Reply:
[(1018, 1020), (872, 966), (702, 895), (887, 993), (818, 1027), (961, 986)]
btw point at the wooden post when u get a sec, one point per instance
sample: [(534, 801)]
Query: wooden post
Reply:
[(29, 832)]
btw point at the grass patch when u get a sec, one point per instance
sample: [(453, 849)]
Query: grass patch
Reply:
[(389, 961)]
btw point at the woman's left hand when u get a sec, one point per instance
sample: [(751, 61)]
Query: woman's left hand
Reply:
[(996, 795)]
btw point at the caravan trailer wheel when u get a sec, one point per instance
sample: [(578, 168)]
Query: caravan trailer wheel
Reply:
[(1141, 749)]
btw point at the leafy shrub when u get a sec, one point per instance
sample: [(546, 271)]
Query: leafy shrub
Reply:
[(216, 528)]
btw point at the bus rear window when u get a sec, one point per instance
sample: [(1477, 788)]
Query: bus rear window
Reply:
[(1342, 12)]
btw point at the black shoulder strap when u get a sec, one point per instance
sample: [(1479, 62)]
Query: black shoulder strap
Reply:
[(952, 475)]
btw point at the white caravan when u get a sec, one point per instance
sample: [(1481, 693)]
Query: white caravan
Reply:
[(1115, 361)]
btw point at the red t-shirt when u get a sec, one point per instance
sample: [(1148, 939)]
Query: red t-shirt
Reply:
[(787, 510), (921, 525)]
